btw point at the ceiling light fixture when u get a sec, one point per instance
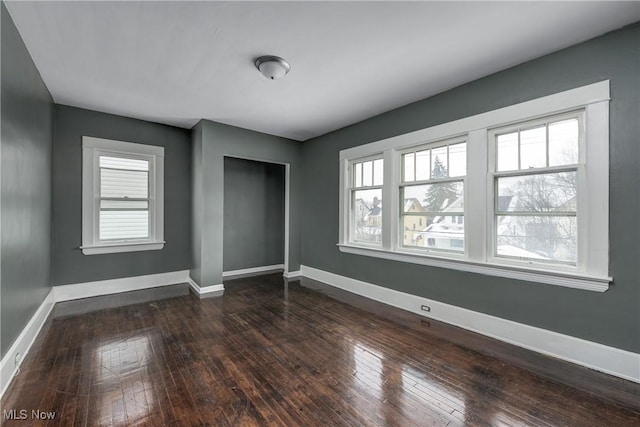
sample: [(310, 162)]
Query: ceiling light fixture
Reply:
[(272, 67)]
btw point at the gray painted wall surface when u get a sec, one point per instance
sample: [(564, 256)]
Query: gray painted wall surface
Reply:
[(611, 318), (27, 126), (216, 141), (197, 200), (253, 214), (69, 264)]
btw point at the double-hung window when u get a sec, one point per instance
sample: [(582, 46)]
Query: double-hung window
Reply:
[(535, 168), (122, 199), (365, 190), (520, 192), (432, 196)]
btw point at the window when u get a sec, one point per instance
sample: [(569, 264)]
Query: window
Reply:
[(535, 200), (366, 201), (122, 196), (432, 188), (520, 192)]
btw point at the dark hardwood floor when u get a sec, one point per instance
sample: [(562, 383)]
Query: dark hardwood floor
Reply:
[(270, 352)]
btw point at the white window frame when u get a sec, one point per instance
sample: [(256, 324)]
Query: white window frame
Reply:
[(578, 167), (92, 149), (592, 271), (351, 189), (399, 247)]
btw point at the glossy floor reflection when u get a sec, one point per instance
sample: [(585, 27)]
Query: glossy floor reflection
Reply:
[(267, 355)]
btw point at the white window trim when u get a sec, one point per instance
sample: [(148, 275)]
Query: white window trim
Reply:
[(351, 187), (91, 149), (592, 272), (399, 247), (492, 173)]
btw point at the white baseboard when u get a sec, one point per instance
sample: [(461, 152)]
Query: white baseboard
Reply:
[(610, 360), (292, 274), (204, 289), (114, 286), (253, 270), (22, 344)]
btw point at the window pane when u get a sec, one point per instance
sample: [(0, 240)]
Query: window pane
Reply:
[(507, 151), (458, 159), (378, 172), (120, 183), (550, 192), (408, 167), (423, 163), (358, 173), (533, 148), (118, 225), (563, 143), (439, 163), (122, 163), (367, 216), (367, 173), (543, 238)]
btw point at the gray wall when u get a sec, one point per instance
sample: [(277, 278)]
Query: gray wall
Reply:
[(611, 318), (253, 214), (211, 143), (69, 264), (197, 202), (27, 126)]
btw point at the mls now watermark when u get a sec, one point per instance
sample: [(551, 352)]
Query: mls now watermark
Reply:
[(23, 414)]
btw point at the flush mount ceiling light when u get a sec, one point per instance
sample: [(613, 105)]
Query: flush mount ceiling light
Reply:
[(272, 67)]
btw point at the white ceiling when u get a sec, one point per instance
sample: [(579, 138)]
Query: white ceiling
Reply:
[(178, 62)]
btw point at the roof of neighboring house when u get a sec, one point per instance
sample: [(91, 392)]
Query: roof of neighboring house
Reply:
[(413, 205), (570, 205), (457, 205), (450, 231), (363, 203), (375, 211)]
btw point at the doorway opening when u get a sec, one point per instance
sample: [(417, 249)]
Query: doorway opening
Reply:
[(256, 226)]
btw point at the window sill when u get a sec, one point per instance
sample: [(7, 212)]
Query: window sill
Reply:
[(121, 247), (571, 280)]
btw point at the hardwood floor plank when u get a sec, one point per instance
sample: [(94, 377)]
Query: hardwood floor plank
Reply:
[(276, 353)]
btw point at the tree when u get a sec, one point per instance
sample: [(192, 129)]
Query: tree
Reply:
[(440, 195), (548, 230)]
